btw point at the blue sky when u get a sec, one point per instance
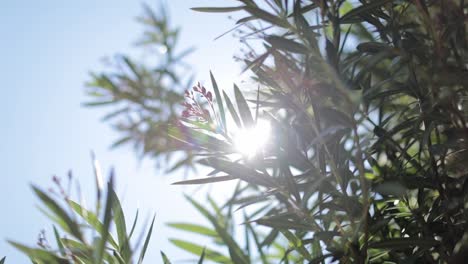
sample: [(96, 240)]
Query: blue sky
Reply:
[(47, 50)]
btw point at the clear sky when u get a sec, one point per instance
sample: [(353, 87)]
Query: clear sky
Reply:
[(47, 49)]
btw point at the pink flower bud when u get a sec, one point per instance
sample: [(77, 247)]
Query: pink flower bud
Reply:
[(56, 179)]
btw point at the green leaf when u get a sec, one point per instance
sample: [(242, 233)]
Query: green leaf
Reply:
[(198, 250), (244, 109), (39, 256), (404, 242), (194, 228), (291, 183), (99, 103), (254, 234), (132, 67), (119, 219), (165, 258), (133, 225), (119, 258), (2, 261), (232, 110), (286, 44), (256, 63), (263, 15), (217, 9), (393, 188), (296, 242), (219, 101), (121, 227), (91, 219), (320, 259), (58, 241), (103, 81), (197, 139), (362, 9), (100, 251), (235, 252), (68, 224), (245, 19), (372, 47), (202, 257), (284, 224), (270, 238), (79, 249), (240, 171), (121, 141), (206, 180), (147, 239)]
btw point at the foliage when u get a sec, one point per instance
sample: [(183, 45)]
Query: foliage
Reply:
[(84, 235), (366, 158), (145, 97), (367, 105)]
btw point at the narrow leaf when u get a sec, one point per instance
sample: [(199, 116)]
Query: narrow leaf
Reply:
[(198, 250), (106, 224), (217, 9), (232, 110), (235, 251), (404, 242), (240, 171), (145, 246), (347, 18), (165, 258), (244, 109), (194, 228), (119, 219), (219, 101), (266, 16), (58, 241), (206, 180), (286, 44), (202, 257)]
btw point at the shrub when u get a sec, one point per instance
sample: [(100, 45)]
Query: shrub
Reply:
[(366, 158)]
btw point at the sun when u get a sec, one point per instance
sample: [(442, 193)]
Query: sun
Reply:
[(250, 141)]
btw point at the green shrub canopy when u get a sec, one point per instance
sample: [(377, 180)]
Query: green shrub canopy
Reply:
[(366, 151)]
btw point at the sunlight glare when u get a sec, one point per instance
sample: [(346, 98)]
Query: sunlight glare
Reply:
[(250, 141)]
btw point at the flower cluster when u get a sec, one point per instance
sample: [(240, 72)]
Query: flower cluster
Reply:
[(202, 90), (193, 109)]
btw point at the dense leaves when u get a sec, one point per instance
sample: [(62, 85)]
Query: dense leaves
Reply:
[(366, 100), (366, 158)]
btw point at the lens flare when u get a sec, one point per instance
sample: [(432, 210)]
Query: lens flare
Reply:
[(250, 141)]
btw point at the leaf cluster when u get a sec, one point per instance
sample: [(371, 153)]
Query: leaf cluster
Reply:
[(366, 158), (367, 104), (83, 235), (144, 97)]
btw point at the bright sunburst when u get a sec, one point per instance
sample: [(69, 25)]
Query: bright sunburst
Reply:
[(250, 141)]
